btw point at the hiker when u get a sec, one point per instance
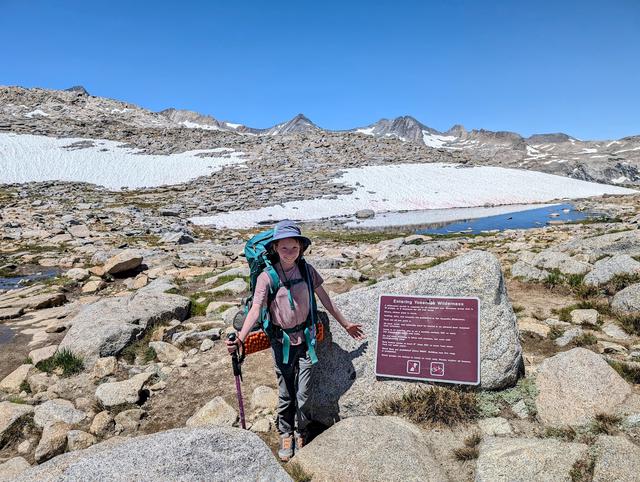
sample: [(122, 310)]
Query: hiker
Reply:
[(290, 308)]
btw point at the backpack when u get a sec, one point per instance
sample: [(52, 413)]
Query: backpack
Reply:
[(261, 260)]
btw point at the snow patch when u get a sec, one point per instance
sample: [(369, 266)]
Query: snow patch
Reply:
[(195, 125), (619, 180), (27, 158), (418, 187), (36, 112), (368, 131), (587, 150), (435, 140)]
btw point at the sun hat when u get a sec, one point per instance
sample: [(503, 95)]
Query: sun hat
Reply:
[(288, 229)]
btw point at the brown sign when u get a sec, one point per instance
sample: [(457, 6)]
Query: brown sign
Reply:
[(429, 338)]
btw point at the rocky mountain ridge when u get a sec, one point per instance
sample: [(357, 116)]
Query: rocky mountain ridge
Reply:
[(75, 113)]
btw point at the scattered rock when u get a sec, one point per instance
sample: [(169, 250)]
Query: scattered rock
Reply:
[(10, 313), (575, 386), (58, 410), (605, 269), (53, 441), (505, 459), (614, 331), (12, 382), (264, 398), (78, 274), (118, 393), (79, 440), (105, 367), (42, 354), (215, 412), (365, 213), (166, 352), (568, 336), (125, 261), (102, 424), (11, 414), (93, 286), (521, 269), (262, 425), (582, 317), (128, 421), (371, 448), (236, 287), (627, 301), (206, 345)]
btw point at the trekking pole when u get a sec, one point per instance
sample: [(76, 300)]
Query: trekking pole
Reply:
[(237, 372)]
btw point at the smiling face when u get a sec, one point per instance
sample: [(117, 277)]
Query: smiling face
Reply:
[(288, 250)]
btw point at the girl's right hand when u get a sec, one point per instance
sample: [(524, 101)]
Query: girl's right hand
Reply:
[(233, 346)]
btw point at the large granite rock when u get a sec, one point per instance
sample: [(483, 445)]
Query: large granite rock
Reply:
[(11, 414), (371, 449), (627, 301), (104, 328), (605, 269), (212, 453), (575, 386), (524, 460), (346, 372), (616, 459)]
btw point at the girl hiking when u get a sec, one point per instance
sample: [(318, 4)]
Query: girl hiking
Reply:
[(291, 307)]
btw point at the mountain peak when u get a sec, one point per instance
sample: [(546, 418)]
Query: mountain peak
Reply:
[(77, 88)]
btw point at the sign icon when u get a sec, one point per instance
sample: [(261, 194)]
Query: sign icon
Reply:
[(413, 366), (437, 369)]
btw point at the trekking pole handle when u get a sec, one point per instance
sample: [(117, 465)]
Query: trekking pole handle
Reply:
[(234, 356)]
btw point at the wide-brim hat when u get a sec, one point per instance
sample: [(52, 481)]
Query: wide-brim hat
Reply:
[(288, 229)]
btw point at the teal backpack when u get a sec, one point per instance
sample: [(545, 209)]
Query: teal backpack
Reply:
[(261, 260)]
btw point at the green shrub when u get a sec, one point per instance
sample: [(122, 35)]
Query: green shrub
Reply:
[(64, 359), (586, 339)]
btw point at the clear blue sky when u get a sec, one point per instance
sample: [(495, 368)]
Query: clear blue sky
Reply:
[(530, 67)]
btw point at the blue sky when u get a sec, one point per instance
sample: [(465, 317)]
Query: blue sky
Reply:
[(529, 67)]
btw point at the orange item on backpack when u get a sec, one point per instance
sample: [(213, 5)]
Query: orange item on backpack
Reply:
[(258, 340)]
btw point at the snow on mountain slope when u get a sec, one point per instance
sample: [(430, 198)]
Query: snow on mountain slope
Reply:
[(422, 186), (26, 158)]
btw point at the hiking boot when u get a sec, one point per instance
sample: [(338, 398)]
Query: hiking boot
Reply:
[(286, 447), (300, 440)]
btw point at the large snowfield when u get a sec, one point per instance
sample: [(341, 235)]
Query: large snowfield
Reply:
[(26, 158), (391, 188), (423, 186)]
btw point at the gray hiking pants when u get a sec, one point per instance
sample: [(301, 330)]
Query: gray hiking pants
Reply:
[(294, 387)]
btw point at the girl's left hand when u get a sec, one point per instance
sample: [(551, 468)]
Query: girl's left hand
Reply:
[(355, 331)]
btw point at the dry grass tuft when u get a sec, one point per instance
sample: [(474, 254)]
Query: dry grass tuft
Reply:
[(432, 405), (297, 473)]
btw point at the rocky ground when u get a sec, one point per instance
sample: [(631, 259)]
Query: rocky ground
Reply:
[(125, 341)]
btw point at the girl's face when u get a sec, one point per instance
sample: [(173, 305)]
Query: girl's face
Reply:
[(288, 250)]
